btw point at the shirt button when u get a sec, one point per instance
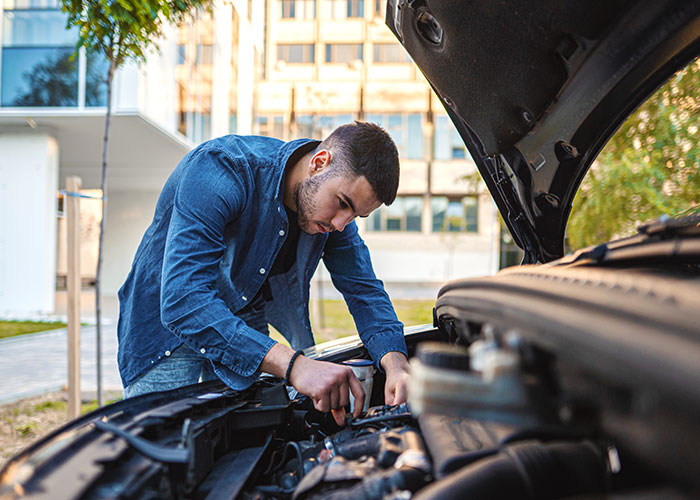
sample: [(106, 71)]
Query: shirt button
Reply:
[(281, 232), (167, 353), (202, 350), (244, 297), (262, 270)]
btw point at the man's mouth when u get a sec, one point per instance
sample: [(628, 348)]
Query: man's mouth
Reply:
[(322, 228)]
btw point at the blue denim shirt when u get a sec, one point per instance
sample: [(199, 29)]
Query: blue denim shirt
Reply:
[(218, 226)]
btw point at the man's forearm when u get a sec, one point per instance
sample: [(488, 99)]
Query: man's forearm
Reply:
[(277, 359), (393, 360)]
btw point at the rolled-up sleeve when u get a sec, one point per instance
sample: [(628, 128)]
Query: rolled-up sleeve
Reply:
[(211, 194), (348, 260)]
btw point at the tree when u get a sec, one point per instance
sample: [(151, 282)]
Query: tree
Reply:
[(648, 169), (121, 31)]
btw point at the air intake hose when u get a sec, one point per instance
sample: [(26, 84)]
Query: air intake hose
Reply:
[(528, 470)]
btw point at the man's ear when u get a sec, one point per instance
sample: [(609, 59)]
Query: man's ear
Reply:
[(319, 162)]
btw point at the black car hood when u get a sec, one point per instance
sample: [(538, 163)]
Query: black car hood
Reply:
[(536, 89)]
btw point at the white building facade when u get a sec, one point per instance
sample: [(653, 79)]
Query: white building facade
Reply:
[(287, 68)]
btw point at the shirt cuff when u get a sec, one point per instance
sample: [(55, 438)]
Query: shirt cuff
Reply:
[(383, 342), (246, 350)]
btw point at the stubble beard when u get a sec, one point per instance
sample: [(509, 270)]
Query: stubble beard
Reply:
[(304, 194)]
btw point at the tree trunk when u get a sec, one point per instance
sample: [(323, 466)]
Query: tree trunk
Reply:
[(98, 276)]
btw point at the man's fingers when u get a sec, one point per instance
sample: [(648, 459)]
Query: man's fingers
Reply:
[(359, 393), (339, 416), (389, 395), (335, 397), (400, 393), (344, 395), (322, 404)]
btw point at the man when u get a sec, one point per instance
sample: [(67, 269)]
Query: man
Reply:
[(239, 228)]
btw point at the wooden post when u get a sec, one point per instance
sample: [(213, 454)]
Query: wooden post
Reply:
[(72, 206)]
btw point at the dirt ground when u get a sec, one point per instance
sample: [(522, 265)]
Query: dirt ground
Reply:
[(26, 420)]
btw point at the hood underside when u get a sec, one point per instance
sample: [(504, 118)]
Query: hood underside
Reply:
[(536, 89)]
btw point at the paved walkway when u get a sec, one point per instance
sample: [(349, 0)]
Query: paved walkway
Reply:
[(37, 363)]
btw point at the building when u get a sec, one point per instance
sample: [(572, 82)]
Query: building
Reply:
[(287, 68)]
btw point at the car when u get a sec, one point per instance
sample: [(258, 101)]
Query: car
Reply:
[(570, 376)]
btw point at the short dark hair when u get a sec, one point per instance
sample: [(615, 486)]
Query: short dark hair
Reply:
[(366, 149)]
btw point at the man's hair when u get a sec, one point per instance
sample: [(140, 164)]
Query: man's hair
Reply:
[(366, 149)]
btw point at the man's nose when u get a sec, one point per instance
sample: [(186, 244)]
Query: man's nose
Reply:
[(341, 220)]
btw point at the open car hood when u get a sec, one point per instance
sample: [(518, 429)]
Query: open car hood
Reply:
[(537, 89)]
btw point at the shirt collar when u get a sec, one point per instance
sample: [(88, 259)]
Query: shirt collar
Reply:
[(297, 147)]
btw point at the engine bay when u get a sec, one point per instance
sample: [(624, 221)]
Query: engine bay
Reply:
[(472, 427)]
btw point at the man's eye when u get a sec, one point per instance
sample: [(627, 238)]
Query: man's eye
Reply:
[(343, 205)]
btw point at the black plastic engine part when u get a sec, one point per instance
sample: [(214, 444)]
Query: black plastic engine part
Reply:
[(443, 355), (455, 442), (528, 470)]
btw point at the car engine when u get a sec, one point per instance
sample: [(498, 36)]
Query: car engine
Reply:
[(473, 427)]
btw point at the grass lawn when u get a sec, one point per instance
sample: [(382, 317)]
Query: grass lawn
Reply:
[(337, 321), (23, 422), (12, 328)]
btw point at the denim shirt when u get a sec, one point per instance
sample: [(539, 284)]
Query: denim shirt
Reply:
[(218, 226)]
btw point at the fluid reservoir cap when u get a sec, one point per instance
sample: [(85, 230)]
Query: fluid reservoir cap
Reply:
[(358, 362), (441, 355)]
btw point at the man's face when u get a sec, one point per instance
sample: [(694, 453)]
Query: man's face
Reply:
[(328, 201)]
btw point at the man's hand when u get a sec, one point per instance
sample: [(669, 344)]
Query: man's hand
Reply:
[(395, 365), (327, 384)]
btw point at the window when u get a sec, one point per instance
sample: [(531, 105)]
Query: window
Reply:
[(405, 128), (455, 214), (271, 126), (96, 68), (319, 126), (287, 8), (37, 69), (196, 125), (30, 4), (390, 53), (402, 215), (379, 8), (194, 115), (343, 9), (356, 8), (296, 52), (233, 122), (181, 53), (205, 54), (343, 52), (298, 9), (448, 143)]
